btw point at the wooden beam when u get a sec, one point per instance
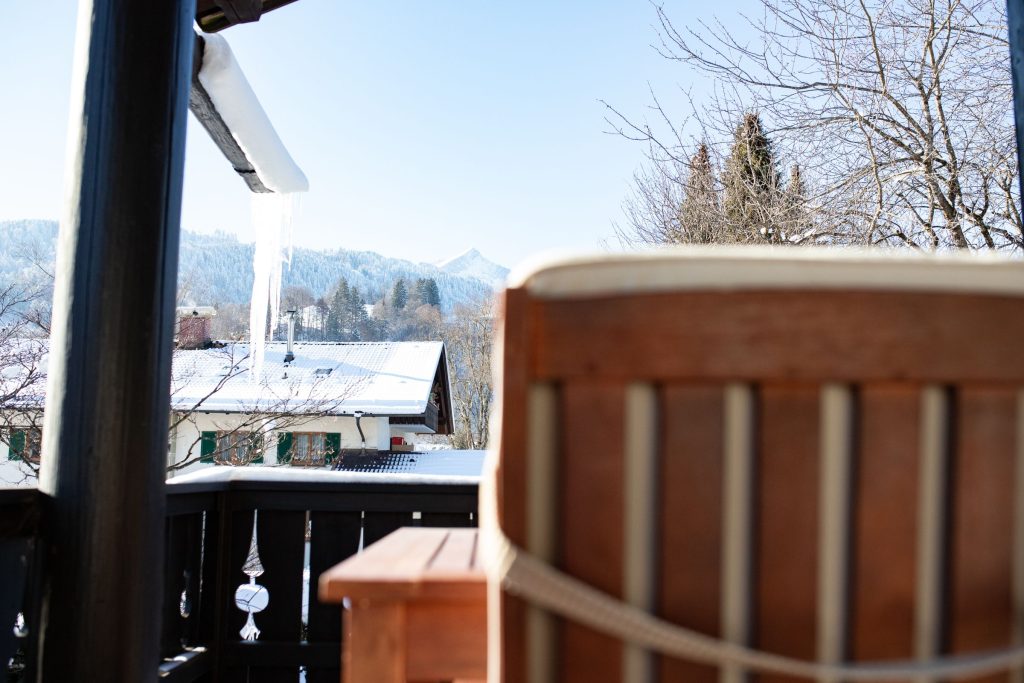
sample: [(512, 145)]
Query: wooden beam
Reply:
[(1015, 19), (217, 15), (110, 352), (202, 108)]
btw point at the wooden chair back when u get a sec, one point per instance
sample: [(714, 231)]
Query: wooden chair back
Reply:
[(817, 455)]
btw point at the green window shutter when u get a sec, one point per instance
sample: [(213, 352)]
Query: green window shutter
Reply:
[(17, 444), (284, 447), (256, 447), (332, 446), (207, 446)]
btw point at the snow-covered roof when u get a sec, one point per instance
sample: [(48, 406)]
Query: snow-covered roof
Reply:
[(378, 378), (434, 467)]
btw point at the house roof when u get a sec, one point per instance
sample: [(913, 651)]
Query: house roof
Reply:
[(377, 378)]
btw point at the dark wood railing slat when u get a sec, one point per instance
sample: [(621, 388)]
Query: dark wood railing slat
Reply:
[(334, 537), (282, 539), (377, 525), (448, 519), (177, 546), (236, 533), (208, 531), (13, 569)]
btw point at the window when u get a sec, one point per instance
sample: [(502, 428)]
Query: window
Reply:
[(232, 448), (307, 449), (25, 444)]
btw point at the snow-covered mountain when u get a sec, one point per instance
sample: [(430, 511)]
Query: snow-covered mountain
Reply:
[(215, 269), (471, 263)]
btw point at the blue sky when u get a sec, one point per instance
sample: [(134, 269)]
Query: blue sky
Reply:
[(425, 128)]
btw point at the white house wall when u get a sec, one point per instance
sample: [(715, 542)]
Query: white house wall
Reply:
[(14, 472), (376, 429), (17, 472)]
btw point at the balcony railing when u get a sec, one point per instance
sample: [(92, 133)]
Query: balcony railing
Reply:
[(303, 525)]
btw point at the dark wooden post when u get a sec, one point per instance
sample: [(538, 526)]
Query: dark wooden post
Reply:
[(1015, 19), (107, 410)]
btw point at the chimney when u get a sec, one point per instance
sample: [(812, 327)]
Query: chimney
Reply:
[(194, 327), (289, 357)]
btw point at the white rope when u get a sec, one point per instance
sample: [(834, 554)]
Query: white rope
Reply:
[(539, 583)]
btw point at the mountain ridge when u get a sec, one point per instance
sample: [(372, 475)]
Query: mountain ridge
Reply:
[(216, 268)]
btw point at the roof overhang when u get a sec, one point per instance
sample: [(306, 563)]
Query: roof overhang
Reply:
[(217, 15), (223, 102)]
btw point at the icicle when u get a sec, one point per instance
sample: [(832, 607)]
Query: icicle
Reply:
[(272, 222)]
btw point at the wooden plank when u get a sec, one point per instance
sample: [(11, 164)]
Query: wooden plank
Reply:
[(885, 504), (449, 519), (13, 568), (984, 469), (777, 335), (390, 569), (455, 558), (377, 525), (105, 456), (788, 473), (208, 604), (176, 557), (514, 338), (282, 540), (206, 113), (692, 432), (446, 640), (375, 643), (334, 537), (591, 518)]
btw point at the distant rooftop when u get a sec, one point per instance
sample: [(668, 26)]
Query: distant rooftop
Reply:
[(378, 378)]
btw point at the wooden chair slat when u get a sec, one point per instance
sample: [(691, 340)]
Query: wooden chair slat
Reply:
[(885, 506), (983, 483), (788, 475), (513, 347), (814, 336), (591, 517), (692, 434)]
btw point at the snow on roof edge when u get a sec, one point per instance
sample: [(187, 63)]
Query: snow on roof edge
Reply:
[(237, 104)]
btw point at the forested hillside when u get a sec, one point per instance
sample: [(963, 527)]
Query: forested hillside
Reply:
[(217, 269)]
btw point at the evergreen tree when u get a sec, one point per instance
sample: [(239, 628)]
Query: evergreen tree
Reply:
[(431, 294), (357, 320), (336, 313), (420, 292), (752, 184), (399, 295), (700, 216)]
